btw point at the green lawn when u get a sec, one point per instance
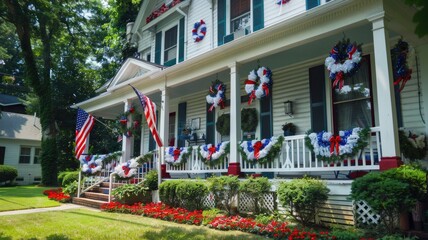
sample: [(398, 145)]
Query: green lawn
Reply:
[(24, 197), (89, 224)]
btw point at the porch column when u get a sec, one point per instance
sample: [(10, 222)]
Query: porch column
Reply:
[(235, 120), (386, 98), (127, 142), (164, 130)]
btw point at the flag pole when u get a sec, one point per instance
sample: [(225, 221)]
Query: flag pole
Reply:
[(96, 119)]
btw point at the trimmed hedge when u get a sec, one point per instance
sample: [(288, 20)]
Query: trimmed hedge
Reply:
[(7, 173), (167, 192), (182, 193)]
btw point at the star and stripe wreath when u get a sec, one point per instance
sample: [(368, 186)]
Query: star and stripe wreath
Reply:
[(402, 73), (264, 151), (334, 148), (91, 164), (177, 156), (126, 169), (199, 30), (258, 83), (122, 123), (212, 154), (217, 95), (343, 61)]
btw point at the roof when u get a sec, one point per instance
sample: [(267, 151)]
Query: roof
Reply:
[(8, 100), (20, 126)]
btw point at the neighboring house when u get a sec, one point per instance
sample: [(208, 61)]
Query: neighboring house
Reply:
[(20, 145), (10, 103), (175, 70)]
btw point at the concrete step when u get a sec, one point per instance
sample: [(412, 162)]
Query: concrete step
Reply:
[(96, 196), (88, 202)]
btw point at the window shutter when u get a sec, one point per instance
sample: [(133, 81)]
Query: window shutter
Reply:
[(181, 41), (266, 117), (312, 3), (158, 47), (181, 123), (258, 15), (318, 98), (221, 21), (210, 130)]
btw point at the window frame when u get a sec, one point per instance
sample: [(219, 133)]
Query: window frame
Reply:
[(164, 49), (36, 157), (229, 18), (29, 155)]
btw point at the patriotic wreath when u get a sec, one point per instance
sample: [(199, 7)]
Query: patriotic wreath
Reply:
[(91, 164), (255, 90), (199, 30), (122, 123), (263, 151), (217, 95), (402, 73), (344, 61), (328, 147), (177, 156), (212, 154), (280, 2), (126, 170)]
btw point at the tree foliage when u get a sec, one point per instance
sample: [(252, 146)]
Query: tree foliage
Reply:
[(420, 17)]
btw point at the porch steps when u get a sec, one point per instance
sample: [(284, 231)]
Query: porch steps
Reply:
[(95, 197), (88, 202)]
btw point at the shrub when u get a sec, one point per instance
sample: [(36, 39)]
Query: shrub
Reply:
[(209, 215), (304, 197), (347, 234), (168, 194), (67, 177), (7, 173), (255, 188), (71, 188), (132, 193), (192, 194), (224, 188), (151, 180)]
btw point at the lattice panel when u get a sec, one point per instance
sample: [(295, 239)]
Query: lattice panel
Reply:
[(246, 204), (364, 214), (209, 201)]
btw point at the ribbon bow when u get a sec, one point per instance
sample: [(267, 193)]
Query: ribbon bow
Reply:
[(334, 142), (211, 151), (176, 153), (126, 169), (339, 80), (257, 147), (351, 50)]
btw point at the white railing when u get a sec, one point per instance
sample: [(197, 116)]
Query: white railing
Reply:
[(195, 165), (86, 183)]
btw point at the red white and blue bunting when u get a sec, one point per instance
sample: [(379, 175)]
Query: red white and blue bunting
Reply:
[(217, 95), (127, 169), (199, 31), (263, 151), (331, 148), (177, 156), (214, 154), (258, 83), (343, 61), (91, 164)]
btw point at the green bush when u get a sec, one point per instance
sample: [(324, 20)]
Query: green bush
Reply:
[(191, 194), (256, 188), (304, 197), (347, 234), (71, 188), (209, 215), (224, 188), (397, 237), (151, 180), (67, 177), (132, 193), (168, 194), (7, 173)]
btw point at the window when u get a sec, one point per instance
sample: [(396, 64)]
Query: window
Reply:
[(171, 130), (353, 105), (170, 45), (25, 155), (2, 153), (37, 156), (239, 14), (313, 3)]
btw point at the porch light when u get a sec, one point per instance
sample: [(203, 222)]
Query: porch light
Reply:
[(288, 108)]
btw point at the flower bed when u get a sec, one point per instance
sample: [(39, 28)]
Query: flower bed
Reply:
[(57, 195)]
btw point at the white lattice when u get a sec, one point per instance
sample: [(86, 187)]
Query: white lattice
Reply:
[(246, 204), (364, 214), (209, 201)]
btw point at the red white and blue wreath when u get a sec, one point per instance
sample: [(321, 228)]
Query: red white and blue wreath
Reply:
[(91, 164), (331, 148), (122, 123), (199, 30), (177, 156), (263, 151), (402, 73), (217, 95), (212, 154), (258, 83), (344, 61), (127, 169)]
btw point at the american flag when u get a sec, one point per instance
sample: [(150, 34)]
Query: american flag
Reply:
[(150, 113), (84, 125)]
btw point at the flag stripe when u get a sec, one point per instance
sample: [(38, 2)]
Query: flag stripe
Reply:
[(84, 125)]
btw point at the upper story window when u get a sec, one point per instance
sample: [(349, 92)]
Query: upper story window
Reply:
[(170, 45), (313, 3), (240, 14)]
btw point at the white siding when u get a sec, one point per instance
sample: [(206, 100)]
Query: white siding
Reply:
[(199, 10), (274, 13)]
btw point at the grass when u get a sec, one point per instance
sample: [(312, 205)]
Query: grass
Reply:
[(90, 224), (24, 197)]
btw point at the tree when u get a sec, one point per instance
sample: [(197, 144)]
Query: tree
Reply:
[(420, 17)]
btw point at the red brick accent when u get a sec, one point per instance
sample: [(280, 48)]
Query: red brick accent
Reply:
[(390, 162), (164, 174), (234, 169)]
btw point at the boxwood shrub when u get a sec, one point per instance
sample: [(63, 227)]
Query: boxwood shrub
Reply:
[(192, 194), (168, 194), (256, 188), (224, 188), (7, 173)]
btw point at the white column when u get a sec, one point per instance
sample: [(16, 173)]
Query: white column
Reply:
[(164, 121), (385, 89), (127, 141), (235, 113)]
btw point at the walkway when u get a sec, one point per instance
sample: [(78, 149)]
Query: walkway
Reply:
[(65, 206)]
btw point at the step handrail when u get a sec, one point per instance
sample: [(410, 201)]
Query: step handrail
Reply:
[(93, 185)]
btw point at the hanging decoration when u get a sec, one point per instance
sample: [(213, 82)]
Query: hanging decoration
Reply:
[(223, 124), (412, 146), (177, 156), (91, 164), (281, 2), (402, 73), (126, 170), (255, 151), (331, 148), (217, 95), (122, 123), (258, 83), (213, 155), (161, 10), (199, 30), (343, 62), (249, 119)]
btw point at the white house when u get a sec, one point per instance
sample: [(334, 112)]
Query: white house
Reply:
[(20, 140)]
